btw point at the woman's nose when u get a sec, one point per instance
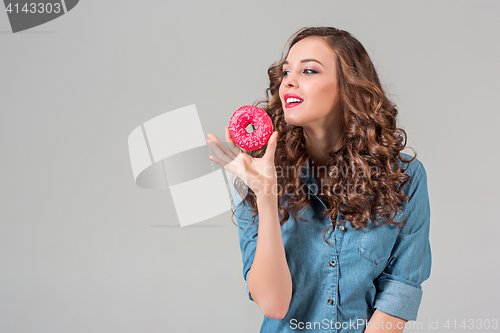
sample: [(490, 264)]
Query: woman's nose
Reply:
[(289, 81)]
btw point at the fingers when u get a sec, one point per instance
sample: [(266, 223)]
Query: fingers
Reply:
[(232, 146), (218, 161), (221, 154), (219, 149), (217, 144), (271, 147), (236, 168)]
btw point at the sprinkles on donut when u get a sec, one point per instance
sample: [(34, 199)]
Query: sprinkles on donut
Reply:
[(245, 116)]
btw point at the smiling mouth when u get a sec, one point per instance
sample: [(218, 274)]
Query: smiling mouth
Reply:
[(291, 102)]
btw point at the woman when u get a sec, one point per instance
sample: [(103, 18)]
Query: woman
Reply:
[(335, 226)]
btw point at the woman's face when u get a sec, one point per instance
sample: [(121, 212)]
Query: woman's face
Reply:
[(309, 90)]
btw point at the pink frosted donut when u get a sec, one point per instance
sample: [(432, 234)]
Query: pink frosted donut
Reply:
[(245, 116)]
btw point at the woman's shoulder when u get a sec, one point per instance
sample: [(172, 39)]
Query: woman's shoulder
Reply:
[(411, 168), (415, 170)]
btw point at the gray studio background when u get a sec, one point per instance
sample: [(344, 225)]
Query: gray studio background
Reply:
[(84, 249)]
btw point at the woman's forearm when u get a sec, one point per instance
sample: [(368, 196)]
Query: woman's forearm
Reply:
[(381, 322), (269, 279)]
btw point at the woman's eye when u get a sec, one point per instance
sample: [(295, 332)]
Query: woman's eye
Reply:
[(306, 71), (309, 71)]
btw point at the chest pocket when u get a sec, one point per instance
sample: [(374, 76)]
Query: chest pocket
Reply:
[(377, 241)]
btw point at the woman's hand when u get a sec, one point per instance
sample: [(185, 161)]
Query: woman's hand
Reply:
[(258, 173)]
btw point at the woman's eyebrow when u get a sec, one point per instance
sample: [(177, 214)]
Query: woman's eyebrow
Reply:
[(304, 60)]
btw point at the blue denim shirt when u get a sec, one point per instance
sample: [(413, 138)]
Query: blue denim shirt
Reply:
[(337, 287)]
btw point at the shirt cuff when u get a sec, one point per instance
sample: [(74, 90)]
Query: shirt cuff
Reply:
[(398, 299)]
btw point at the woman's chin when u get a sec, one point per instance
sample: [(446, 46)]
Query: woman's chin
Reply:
[(291, 120)]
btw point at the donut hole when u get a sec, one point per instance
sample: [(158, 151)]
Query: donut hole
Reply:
[(250, 128)]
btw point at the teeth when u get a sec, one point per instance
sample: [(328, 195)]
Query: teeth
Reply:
[(293, 100)]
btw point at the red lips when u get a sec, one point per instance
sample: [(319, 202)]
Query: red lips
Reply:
[(291, 105)]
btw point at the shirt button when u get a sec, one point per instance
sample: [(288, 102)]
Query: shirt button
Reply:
[(341, 227), (332, 263), (330, 301)]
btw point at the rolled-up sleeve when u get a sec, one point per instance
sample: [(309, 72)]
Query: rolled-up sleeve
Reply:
[(399, 290), (247, 234)]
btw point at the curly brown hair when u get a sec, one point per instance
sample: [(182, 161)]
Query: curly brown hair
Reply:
[(370, 142)]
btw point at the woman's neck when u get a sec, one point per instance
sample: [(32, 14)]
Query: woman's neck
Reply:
[(319, 143)]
